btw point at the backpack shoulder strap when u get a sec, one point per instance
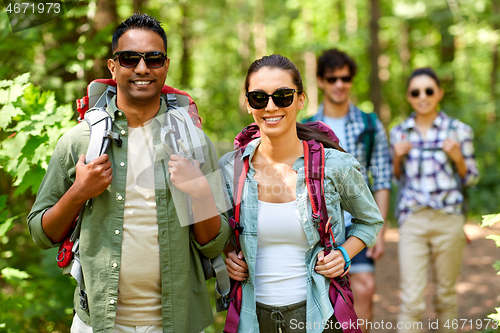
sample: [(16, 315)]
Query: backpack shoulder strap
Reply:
[(314, 165), (240, 173), (368, 135)]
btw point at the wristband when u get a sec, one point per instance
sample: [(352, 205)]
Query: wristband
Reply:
[(345, 255)]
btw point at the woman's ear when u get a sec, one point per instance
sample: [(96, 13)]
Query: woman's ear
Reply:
[(302, 100), (249, 108), (440, 94)]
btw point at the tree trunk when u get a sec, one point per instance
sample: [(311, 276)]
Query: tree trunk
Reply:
[(495, 114), (105, 13), (139, 5), (341, 20), (404, 50), (186, 42), (259, 30), (374, 51), (447, 50)]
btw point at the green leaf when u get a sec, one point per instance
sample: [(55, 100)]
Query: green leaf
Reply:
[(496, 266), (495, 316), (22, 79), (10, 273), (495, 238), (5, 226), (489, 220), (8, 112)]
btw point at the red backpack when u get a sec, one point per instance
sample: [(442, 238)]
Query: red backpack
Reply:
[(314, 162)]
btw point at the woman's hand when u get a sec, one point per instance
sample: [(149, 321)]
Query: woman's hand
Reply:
[(401, 149), (331, 265), (236, 266), (453, 150)]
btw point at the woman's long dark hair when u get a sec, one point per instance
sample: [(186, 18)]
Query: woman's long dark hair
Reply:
[(307, 133), (278, 61)]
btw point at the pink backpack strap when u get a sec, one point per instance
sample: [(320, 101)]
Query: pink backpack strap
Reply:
[(235, 296), (340, 291)]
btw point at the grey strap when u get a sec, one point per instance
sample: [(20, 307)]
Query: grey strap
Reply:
[(100, 125), (222, 285)]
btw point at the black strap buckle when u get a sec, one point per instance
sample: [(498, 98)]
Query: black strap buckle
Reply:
[(239, 228), (84, 303), (316, 220)]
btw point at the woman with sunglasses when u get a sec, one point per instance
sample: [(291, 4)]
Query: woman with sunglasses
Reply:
[(433, 159), (284, 271)]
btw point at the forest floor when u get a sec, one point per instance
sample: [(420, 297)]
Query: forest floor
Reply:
[(478, 286)]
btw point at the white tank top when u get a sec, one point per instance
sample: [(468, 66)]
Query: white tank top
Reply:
[(280, 270)]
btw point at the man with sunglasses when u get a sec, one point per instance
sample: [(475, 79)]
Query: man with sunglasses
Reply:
[(141, 268), (335, 73)]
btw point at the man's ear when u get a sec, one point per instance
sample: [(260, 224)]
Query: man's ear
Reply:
[(112, 67), (319, 80)]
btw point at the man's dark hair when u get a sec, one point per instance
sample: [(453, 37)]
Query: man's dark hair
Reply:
[(138, 21), (335, 59)]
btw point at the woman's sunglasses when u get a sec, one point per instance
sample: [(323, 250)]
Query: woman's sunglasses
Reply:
[(416, 92), (129, 59), (333, 79), (282, 98)]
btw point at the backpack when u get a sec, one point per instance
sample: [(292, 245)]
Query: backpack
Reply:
[(367, 136), (461, 187), (314, 161), (92, 109)]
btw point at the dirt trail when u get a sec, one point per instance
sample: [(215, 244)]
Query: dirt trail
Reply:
[(478, 286)]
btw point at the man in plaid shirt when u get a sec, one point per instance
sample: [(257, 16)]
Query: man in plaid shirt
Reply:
[(335, 73)]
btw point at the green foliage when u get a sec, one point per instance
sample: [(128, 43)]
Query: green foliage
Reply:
[(33, 123), (34, 296), (495, 316), (488, 221), (211, 45)]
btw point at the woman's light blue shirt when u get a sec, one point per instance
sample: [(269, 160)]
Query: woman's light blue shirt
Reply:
[(345, 188)]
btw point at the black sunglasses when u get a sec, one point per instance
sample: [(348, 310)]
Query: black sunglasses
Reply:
[(129, 59), (282, 98), (416, 92), (333, 79)]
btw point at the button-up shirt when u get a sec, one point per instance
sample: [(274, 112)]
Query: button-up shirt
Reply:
[(429, 177), (345, 188), (185, 302), (380, 164)]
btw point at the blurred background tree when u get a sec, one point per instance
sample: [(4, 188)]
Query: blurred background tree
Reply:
[(211, 45)]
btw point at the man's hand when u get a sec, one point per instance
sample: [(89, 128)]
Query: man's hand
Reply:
[(331, 265), (91, 180), (378, 250), (94, 178), (236, 266), (186, 176)]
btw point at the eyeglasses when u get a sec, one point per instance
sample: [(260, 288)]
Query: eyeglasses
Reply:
[(333, 79), (282, 98), (130, 59), (416, 92)]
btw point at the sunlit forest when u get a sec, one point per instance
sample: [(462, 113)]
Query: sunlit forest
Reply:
[(44, 69)]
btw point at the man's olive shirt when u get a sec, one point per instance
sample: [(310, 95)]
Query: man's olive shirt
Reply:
[(185, 302)]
